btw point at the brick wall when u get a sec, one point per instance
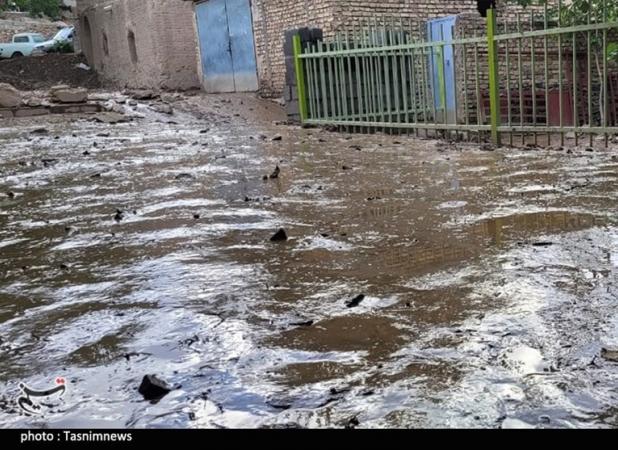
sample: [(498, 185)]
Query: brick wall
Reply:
[(164, 54), (273, 17)]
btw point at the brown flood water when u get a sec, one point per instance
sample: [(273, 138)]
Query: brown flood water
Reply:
[(490, 278)]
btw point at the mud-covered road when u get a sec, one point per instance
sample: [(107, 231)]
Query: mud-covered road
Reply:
[(490, 279)]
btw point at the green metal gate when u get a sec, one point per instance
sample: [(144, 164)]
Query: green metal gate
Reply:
[(531, 79)]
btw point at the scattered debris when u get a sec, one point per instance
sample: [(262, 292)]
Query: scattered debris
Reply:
[(276, 173), (65, 94), (279, 236), (142, 94), (610, 354), (9, 96), (355, 301), (153, 388), (163, 108), (352, 423), (542, 244), (306, 323)]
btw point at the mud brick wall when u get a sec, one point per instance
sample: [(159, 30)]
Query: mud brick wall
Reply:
[(141, 44)]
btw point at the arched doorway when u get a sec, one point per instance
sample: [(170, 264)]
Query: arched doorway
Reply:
[(87, 46)]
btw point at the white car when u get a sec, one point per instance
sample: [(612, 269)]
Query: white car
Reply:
[(23, 44), (64, 36)]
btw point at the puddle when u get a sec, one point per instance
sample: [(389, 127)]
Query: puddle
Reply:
[(488, 282)]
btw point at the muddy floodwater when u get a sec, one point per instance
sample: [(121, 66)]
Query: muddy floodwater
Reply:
[(423, 284)]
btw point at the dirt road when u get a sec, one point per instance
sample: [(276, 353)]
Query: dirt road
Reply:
[(423, 284)]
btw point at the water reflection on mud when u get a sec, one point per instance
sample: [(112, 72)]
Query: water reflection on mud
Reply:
[(489, 279)]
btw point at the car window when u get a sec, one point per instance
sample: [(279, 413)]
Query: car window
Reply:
[(64, 34), (38, 38), (20, 39)]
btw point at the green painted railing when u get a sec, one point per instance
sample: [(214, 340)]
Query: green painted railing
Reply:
[(515, 81)]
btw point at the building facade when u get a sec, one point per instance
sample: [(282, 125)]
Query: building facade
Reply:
[(140, 44)]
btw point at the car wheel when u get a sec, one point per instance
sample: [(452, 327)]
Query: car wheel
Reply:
[(17, 55)]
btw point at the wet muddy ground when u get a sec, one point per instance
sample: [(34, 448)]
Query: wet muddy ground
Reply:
[(422, 285)]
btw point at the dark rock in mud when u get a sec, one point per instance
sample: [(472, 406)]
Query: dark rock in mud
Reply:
[(96, 175), (282, 426), (275, 174), (545, 419), (10, 194), (356, 147), (265, 178), (279, 404), (306, 323), (610, 354), (48, 162), (542, 244), (279, 236), (119, 216), (64, 267), (105, 134), (40, 131), (196, 216), (355, 301), (142, 94), (488, 147), (277, 138), (346, 168), (184, 176), (86, 153), (352, 423), (204, 131), (163, 108), (153, 388)]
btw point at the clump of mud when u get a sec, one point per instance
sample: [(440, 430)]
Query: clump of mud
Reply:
[(43, 72)]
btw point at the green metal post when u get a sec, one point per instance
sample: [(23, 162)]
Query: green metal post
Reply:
[(300, 77), (494, 86)]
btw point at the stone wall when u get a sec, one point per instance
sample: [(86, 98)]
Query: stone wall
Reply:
[(141, 44), (11, 26)]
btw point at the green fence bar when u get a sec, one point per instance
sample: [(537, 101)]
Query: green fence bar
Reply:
[(300, 77), (494, 83), (375, 77)]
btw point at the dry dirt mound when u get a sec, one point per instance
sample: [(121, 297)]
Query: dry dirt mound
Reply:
[(43, 72)]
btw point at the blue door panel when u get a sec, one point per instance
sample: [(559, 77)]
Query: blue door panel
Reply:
[(215, 46), (241, 39), (227, 50), (443, 67)]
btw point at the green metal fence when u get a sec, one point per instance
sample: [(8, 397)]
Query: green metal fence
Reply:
[(532, 78)]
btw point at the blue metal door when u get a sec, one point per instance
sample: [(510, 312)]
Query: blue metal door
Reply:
[(227, 51), (443, 67)]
